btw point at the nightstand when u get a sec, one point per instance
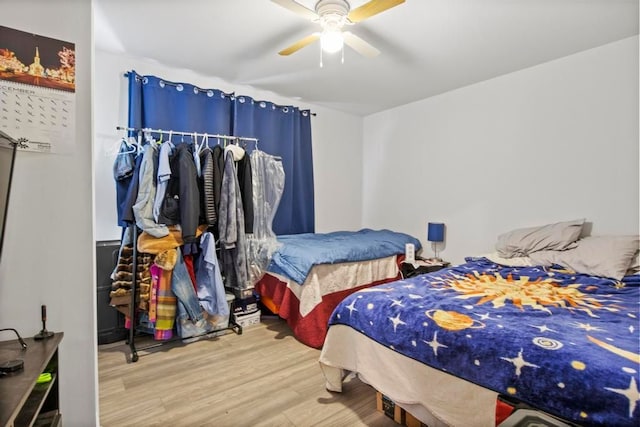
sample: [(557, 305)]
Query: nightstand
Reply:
[(421, 266)]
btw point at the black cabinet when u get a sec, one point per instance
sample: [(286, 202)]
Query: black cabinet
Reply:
[(110, 321)]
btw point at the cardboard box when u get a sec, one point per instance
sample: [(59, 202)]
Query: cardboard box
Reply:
[(389, 408), (411, 421), (395, 412)]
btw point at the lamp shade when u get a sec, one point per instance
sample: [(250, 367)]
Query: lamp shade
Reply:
[(435, 232)]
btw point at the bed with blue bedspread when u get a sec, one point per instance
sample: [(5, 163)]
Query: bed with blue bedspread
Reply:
[(310, 273), (567, 344)]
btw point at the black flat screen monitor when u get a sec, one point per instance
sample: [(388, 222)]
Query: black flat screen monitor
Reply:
[(7, 159)]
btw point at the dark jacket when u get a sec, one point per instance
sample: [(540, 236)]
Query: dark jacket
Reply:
[(246, 190), (207, 194), (181, 204)]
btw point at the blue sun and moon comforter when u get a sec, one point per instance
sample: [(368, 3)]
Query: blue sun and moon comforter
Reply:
[(564, 343)]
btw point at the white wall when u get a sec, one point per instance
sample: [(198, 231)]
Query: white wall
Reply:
[(554, 142), (48, 253), (336, 139)]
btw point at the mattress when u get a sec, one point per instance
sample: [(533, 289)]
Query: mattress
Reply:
[(561, 342), (307, 307)]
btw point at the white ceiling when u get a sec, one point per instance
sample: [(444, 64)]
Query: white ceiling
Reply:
[(428, 46)]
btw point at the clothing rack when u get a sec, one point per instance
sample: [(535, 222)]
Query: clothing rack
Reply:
[(232, 326), (133, 228), (191, 134)]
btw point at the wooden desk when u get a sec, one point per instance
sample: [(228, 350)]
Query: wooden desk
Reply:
[(22, 401)]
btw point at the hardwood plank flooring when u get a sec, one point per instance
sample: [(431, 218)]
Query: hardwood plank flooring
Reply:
[(264, 377)]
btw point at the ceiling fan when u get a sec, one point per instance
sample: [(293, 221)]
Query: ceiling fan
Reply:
[(333, 15)]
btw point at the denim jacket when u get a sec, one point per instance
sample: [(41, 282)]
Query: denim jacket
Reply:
[(209, 283), (143, 208)]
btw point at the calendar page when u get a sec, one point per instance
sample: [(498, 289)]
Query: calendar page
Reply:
[(37, 91)]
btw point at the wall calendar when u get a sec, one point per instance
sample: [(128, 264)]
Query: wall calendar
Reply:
[(37, 91)]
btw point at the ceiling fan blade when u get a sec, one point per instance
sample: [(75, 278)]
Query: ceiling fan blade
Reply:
[(297, 8), (371, 8), (300, 44), (359, 45)]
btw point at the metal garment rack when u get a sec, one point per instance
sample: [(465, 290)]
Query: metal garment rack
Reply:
[(190, 134), (133, 228)]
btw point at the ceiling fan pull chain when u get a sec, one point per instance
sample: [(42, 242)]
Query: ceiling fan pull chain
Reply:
[(342, 54), (320, 57)]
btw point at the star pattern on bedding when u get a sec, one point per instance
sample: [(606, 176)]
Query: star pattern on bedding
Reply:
[(587, 327), (434, 344), (486, 316), (396, 321), (523, 331), (396, 302), (543, 328), (352, 307), (632, 393), (519, 362)]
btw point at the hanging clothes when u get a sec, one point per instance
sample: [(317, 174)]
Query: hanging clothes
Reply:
[(268, 185), (207, 192), (191, 319), (166, 307), (246, 191), (181, 204), (132, 194), (210, 287), (175, 193), (217, 153), (123, 172), (164, 174), (143, 208), (231, 227)]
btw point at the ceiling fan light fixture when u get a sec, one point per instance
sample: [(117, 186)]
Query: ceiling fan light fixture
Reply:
[(331, 41)]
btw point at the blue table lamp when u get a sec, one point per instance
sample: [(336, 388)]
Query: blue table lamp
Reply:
[(435, 234)]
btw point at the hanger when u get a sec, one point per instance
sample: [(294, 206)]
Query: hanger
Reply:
[(204, 143), (116, 148), (194, 141), (148, 138), (131, 148), (139, 142)]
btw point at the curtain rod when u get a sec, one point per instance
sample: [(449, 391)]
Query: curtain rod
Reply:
[(182, 133), (232, 94)]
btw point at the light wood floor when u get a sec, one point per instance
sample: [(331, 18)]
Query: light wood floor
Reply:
[(264, 377)]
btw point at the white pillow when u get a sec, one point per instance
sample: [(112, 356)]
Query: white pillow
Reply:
[(524, 241), (603, 256), (509, 262)]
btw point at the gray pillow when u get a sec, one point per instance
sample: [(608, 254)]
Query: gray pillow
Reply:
[(524, 241), (634, 268), (603, 256)]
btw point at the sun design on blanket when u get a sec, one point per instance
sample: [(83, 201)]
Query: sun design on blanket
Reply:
[(537, 294)]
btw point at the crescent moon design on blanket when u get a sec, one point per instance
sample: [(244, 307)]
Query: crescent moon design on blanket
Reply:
[(624, 353)]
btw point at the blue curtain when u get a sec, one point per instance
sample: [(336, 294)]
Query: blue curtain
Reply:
[(159, 104), (283, 131)]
